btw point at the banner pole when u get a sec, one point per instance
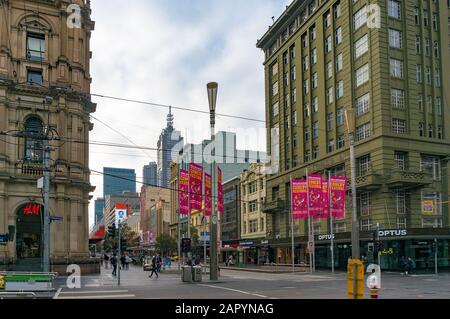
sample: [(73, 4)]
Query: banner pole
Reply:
[(330, 202), (204, 221), (179, 220), (292, 231), (309, 223)]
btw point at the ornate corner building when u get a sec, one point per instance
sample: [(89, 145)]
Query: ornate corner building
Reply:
[(45, 85)]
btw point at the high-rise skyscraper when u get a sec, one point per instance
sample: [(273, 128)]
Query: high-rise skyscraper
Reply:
[(323, 57), (167, 140), (118, 180), (150, 173), (99, 205)]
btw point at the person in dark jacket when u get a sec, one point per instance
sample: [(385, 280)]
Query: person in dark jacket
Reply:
[(113, 261), (154, 267)]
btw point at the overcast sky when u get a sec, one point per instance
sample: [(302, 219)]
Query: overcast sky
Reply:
[(165, 51)]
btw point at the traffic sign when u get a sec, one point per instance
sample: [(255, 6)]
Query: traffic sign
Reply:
[(214, 219), (3, 239), (121, 215), (56, 218)]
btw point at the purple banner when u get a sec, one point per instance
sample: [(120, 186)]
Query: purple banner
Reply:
[(338, 187), (195, 185), (183, 192), (299, 199), (315, 194)]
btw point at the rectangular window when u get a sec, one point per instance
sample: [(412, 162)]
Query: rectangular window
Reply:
[(316, 152), (365, 225), (362, 75), (341, 141), (339, 62), (34, 76), (252, 187), (363, 104), (340, 117), (314, 81), (394, 9), (425, 18), (327, 20), (330, 95), (438, 106), (329, 69), (274, 69), (398, 126), (340, 90), (396, 67), (429, 77), (253, 206), (437, 78), (312, 33), (431, 165), (285, 58), (419, 73), (363, 165), (418, 42), (337, 10), (338, 35), (305, 63), (421, 130), (314, 56), (293, 73), (294, 118), (330, 121), (427, 47), (328, 44), (331, 146), (360, 18), (363, 132), (401, 222), (306, 86), (400, 160), (430, 131), (361, 46), (275, 109), (315, 104), (439, 132), (316, 130), (420, 102), (395, 38), (275, 89), (430, 104), (294, 96), (306, 110), (304, 41), (398, 98), (306, 134), (286, 79), (416, 16), (292, 50), (436, 49), (35, 47), (307, 155), (364, 203)]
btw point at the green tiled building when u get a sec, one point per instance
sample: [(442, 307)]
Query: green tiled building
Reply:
[(389, 60)]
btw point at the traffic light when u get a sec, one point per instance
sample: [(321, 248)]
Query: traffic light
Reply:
[(379, 245), (123, 244), (186, 245), (112, 231)]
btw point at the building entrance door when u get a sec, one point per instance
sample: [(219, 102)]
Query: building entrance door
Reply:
[(29, 236)]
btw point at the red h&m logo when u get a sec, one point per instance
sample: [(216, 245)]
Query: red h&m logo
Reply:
[(32, 210)]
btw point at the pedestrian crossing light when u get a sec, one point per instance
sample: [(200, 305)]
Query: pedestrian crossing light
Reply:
[(186, 245)]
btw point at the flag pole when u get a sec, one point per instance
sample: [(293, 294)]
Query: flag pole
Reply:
[(292, 230), (330, 202), (204, 221), (179, 220), (309, 223)]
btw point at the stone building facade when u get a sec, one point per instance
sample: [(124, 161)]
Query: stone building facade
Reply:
[(45, 83)]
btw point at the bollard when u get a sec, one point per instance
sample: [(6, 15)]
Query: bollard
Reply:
[(374, 293)]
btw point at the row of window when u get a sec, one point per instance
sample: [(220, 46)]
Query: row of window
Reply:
[(253, 226)]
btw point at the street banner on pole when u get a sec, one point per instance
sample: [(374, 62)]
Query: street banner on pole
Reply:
[(208, 206), (324, 212), (219, 191), (183, 192), (338, 187), (315, 194), (299, 199), (195, 183)]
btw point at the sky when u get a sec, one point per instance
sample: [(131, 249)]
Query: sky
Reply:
[(165, 52)]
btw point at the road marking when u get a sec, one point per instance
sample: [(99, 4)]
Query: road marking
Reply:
[(235, 290), (99, 297), (57, 293), (93, 291)]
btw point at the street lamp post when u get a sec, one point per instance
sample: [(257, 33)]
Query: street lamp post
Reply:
[(350, 122), (212, 98)]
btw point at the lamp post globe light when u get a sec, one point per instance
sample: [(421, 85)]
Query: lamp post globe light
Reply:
[(350, 126), (212, 88)]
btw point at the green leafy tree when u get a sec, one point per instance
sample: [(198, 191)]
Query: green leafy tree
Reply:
[(166, 244)]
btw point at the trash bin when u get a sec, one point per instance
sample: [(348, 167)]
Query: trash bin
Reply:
[(197, 273), (186, 273)]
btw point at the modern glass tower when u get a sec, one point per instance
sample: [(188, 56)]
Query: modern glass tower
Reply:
[(150, 173)]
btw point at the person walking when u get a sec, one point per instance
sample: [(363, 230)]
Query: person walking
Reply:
[(411, 265), (158, 262), (403, 265), (106, 259), (154, 268), (114, 264)]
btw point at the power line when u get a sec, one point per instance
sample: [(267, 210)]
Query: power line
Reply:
[(175, 107)]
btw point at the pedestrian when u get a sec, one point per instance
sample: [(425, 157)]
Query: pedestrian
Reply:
[(158, 262), (154, 267), (106, 259), (403, 266), (411, 265), (127, 262), (113, 261), (122, 262)]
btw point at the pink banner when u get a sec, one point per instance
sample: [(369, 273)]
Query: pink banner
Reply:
[(315, 194), (299, 199), (338, 192), (219, 191), (183, 192), (195, 183), (325, 211), (208, 206)]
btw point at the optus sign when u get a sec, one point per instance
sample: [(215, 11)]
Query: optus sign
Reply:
[(392, 233)]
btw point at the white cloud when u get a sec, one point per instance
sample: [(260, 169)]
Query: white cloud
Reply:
[(165, 52)]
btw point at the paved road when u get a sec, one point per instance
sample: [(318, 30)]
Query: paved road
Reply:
[(249, 285)]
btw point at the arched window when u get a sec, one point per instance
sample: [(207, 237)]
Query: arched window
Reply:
[(34, 151)]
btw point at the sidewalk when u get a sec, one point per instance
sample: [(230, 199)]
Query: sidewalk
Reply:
[(274, 269)]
